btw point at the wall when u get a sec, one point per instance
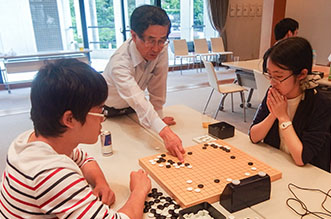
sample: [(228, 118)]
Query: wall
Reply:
[(244, 28), (314, 19), (16, 27)]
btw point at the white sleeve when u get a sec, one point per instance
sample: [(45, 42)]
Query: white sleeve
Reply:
[(157, 86), (128, 89)]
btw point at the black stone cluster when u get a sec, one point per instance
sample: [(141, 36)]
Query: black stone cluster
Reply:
[(215, 147), (158, 196), (163, 160)]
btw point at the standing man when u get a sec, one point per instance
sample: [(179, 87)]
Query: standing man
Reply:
[(286, 28), (140, 63)]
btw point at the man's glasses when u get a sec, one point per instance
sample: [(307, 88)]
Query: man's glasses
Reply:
[(103, 114), (269, 77), (151, 42)]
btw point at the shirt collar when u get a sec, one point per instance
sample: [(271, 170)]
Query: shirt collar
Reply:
[(135, 54)]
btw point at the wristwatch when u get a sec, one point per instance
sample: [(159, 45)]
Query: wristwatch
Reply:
[(284, 125)]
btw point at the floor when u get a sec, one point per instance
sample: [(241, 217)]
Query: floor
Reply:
[(190, 88)]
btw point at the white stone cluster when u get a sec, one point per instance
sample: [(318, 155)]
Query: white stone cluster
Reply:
[(202, 214)]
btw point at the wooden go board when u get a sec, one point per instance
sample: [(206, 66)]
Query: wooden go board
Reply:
[(209, 162)]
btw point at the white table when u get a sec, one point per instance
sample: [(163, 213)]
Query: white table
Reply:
[(131, 142)]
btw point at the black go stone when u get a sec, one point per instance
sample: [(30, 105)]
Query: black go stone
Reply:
[(204, 147), (190, 153), (166, 204), (168, 199), (200, 186), (151, 202), (161, 207), (187, 164), (206, 144), (168, 166), (150, 195), (176, 206), (175, 215), (171, 211), (163, 155), (157, 201), (216, 180), (159, 194), (250, 163), (146, 210), (158, 161), (154, 189), (233, 157), (153, 211)]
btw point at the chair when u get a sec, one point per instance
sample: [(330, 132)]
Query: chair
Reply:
[(201, 50), (181, 51), (224, 89), (262, 84), (217, 47)]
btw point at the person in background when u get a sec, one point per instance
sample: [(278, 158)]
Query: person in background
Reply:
[(286, 28), (294, 116), (142, 63), (46, 175)]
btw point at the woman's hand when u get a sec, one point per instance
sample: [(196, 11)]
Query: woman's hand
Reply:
[(277, 104)]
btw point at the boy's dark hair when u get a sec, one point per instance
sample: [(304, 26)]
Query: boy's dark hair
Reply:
[(283, 26), (144, 16), (294, 54), (62, 85)]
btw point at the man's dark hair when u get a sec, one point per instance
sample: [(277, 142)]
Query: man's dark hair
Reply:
[(283, 26), (294, 54), (62, 85), (144, 16)]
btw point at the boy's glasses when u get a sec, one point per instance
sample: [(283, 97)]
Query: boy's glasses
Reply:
[(103, 114)]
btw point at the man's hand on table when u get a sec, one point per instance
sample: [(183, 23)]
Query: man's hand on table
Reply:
[(169, 120), (172, 143)]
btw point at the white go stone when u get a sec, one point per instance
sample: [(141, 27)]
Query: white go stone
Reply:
[(197, 190), (262, 174), (235, 182), (229, 179), (189, 189), (189, 181), (253, 168)]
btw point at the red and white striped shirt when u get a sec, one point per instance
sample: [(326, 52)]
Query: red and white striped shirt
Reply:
[(40, 183)]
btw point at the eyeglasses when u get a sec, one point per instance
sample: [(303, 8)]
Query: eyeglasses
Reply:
[(269, 77), (151, 42), (103, 114)]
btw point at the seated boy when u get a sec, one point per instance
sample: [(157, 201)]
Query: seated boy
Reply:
[(46, 175)]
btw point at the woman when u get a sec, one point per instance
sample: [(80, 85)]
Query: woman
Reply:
[(294, 116)]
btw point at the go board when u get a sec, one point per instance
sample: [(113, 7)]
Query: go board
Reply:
[(208, 168)]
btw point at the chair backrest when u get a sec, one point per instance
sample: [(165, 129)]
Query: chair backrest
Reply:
[(212, 77), (217, 44), (262, 84), (200, 46), (180, 47)]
